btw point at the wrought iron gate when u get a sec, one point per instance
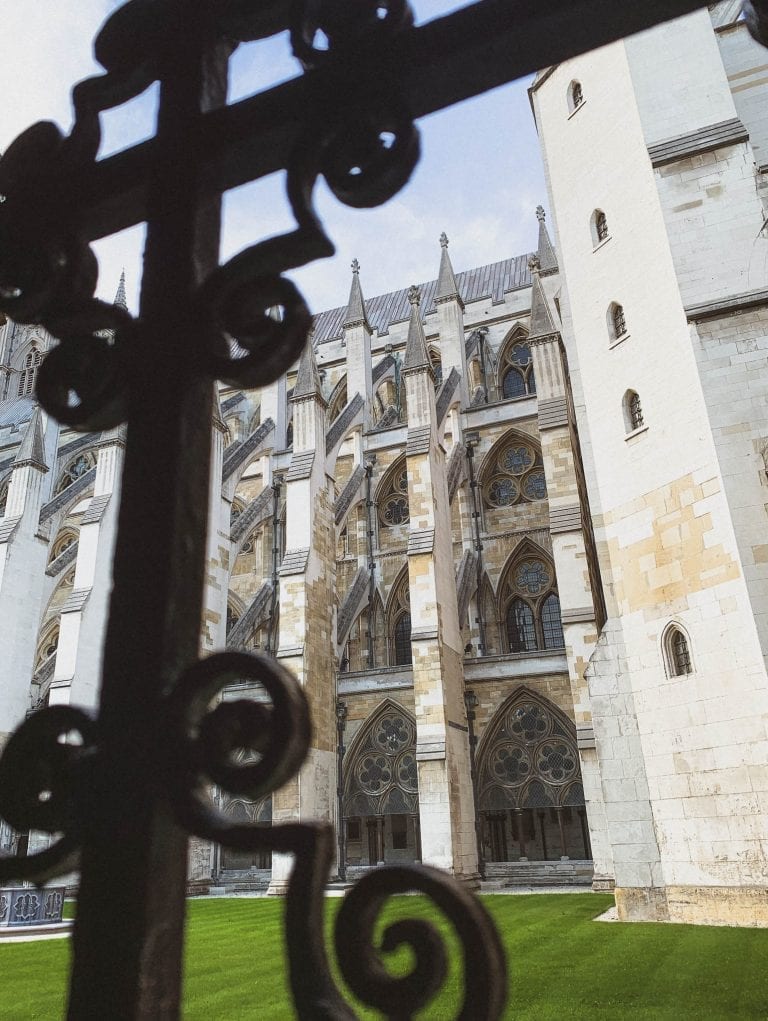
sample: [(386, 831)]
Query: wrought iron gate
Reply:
[(126, 788)]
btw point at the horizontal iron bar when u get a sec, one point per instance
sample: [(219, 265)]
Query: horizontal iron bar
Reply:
[(450, 59)]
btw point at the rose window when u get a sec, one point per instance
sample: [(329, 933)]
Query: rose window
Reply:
[(406, 772), (502, 492), (535, 486), (395, 511), (532, 577)]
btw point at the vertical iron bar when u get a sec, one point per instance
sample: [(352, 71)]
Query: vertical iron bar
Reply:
[(127, 959)]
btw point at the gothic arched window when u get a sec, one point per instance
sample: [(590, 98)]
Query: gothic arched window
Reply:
[(516, 372), (76, 468), (63, 541), (381, 777), (28, 373), (677, 653), (393, 501), (575, 96), (530, 605), (516, 475), (337, 402), (633, 411)]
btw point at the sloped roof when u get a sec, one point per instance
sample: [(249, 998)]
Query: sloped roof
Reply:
[(17, 412), (491, 281)]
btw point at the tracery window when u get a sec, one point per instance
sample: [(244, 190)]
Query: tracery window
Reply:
[(528, 758), (28, 373), (382, 779), (393, 503), (516, 475), (531, 607), (403, 652), (238, 506), (516, 372), (76, 468)]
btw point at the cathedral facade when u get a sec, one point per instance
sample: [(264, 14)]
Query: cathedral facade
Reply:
[(508, 527)]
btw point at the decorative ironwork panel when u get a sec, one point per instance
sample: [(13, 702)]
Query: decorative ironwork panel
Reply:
[(124, 790)]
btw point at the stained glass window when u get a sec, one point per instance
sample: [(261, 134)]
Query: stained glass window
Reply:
[(502, 492), (532, 577)]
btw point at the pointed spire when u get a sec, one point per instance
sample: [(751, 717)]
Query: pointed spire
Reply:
[(32, 449), (542, 322), (416, 354), (546, 252), (308, 378), (120, 299), (447, 287), (355, 314)]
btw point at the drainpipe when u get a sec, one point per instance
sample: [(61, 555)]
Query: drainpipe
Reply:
[(371, 564), (276, 487), (471, 702), (341, 723), (471, 440)]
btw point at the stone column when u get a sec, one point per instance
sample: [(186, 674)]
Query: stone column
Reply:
[(442, 750)]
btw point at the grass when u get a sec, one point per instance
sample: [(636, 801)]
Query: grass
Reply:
[(563, 965)]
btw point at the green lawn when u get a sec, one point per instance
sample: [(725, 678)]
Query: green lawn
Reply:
[(563, 965)]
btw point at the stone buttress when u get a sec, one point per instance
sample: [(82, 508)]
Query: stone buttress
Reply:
[(442, 747), (307, 631)]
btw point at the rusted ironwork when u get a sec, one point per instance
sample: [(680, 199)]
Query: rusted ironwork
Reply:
[(125, 789)]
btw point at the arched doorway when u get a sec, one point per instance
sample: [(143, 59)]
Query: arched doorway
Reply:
[(530, 792), (381, 793)]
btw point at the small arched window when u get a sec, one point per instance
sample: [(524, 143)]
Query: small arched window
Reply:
[(516, 373), (677, 653), (3, 497), (617, 321), (633, 411), (289, 436), (27, 375), (599, 228), (532, 616), (575, 96)]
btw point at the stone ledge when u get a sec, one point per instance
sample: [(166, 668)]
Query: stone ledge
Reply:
[(694, 905)]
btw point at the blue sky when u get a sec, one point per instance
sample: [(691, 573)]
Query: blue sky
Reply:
[(480, 177)]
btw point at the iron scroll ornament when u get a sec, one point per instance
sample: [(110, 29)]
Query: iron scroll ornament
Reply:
[(61, 766)]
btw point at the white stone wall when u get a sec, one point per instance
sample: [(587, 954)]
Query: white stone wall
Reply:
[(688, 748)]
